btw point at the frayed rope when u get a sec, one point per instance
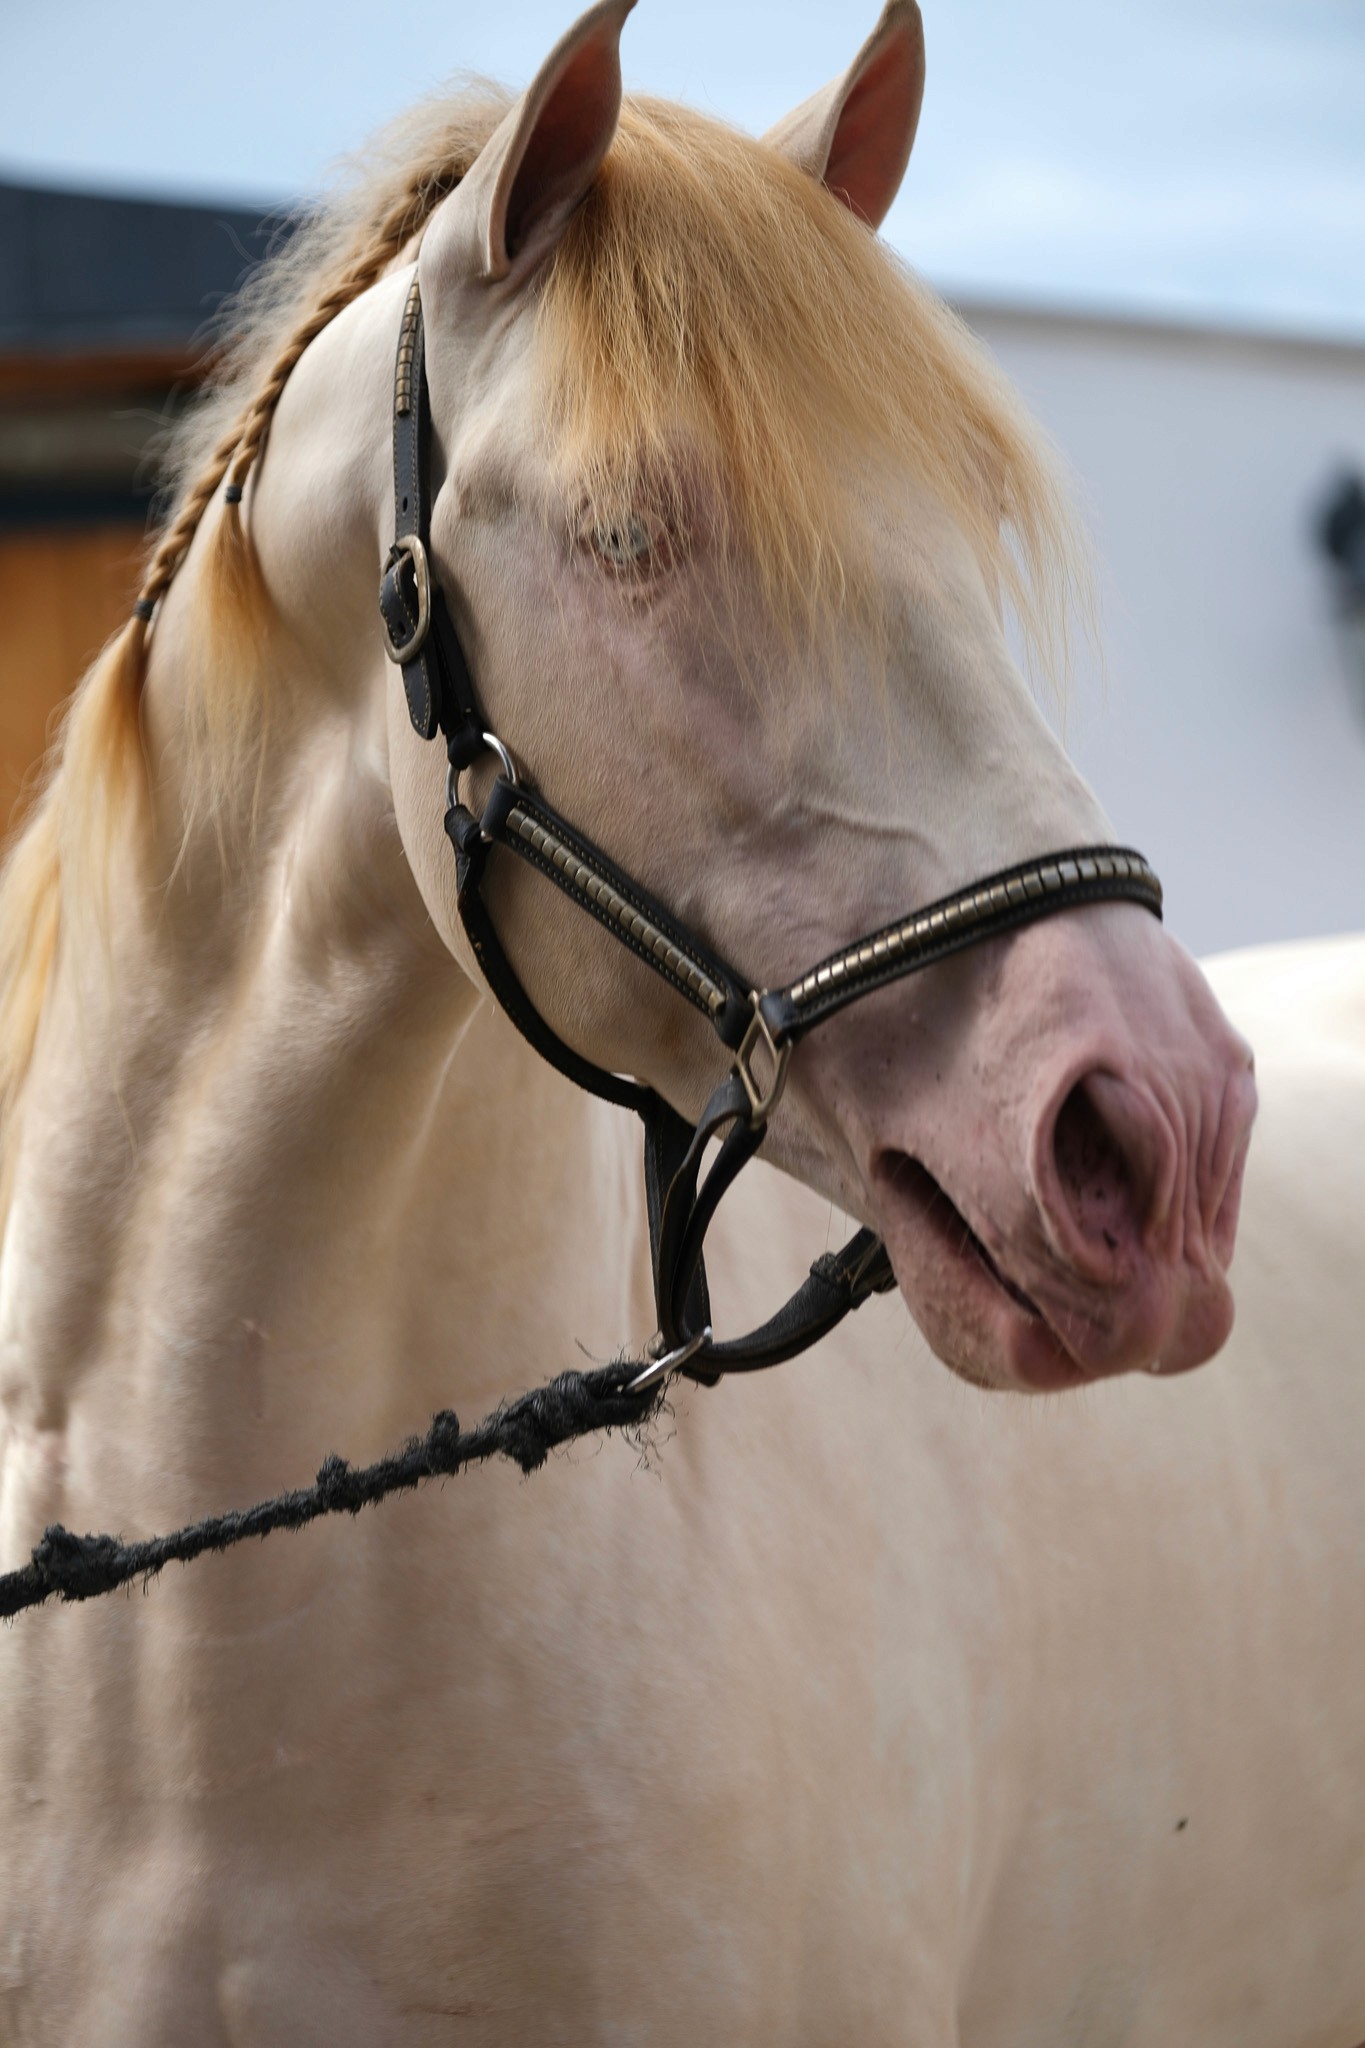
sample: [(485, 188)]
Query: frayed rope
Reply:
[(576, 1404)]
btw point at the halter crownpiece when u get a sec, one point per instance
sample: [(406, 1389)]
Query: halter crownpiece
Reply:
[(758, 1026)]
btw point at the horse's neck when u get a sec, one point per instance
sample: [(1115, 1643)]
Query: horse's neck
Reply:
[(283, 1181)]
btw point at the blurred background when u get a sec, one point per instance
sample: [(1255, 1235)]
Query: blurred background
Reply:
[(1152, 211)]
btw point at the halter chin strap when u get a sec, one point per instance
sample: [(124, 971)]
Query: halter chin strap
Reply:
[(759, 1027)]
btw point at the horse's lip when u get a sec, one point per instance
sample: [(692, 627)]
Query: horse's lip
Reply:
[(1040, 1356), (1011, 1287), (912, 1178)]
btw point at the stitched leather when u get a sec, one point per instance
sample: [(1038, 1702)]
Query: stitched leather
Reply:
[(789, 1017), (410, 441), (687, 1213), (441, 696), (463, 831), (732, 1018), (837, 1284)]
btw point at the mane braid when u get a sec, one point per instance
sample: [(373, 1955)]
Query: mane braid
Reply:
[(93, 786), (240, 447)]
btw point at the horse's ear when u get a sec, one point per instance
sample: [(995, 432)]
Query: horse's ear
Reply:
[(537, 165), (856, 135)]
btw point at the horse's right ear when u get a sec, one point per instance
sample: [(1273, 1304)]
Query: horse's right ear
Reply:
[(856, 135), (535, 169)]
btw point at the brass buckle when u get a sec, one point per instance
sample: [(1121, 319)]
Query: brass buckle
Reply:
[(412, 547), (764, 1096)]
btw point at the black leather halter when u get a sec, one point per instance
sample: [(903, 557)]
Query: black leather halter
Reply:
[(758, 1026)]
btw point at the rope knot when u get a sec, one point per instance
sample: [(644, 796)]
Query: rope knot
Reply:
[(78, 1567), (339, 1488), (443, 1447)]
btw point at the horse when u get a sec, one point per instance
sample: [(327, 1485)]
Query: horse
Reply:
[(870, 1701)]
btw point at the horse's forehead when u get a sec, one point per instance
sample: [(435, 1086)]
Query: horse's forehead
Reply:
[(488, 402)]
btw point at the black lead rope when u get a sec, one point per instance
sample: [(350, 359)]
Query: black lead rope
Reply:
[(68, 1567)]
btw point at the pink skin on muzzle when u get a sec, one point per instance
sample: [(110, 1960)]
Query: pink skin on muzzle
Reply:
[(1050, 1136)]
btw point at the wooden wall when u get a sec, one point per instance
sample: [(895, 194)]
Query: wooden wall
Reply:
[(62, 592)]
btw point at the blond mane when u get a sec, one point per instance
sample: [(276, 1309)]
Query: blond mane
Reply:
[(708, 299), (710, 295)]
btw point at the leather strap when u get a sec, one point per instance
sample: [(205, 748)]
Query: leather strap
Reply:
[(471, 848), (686, 1214), (837, 1284), (1000, 903), (420, 632), (521, 820), (422, 640)]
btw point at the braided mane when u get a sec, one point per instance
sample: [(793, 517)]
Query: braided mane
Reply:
[(333, 256), (95, 773), (708, 300)]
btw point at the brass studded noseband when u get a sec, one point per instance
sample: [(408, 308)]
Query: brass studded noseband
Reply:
[(758, 1026)]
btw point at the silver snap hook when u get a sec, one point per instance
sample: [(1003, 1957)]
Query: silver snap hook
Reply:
[(659, 1368)]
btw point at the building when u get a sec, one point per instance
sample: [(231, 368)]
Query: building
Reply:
[(104, 304), (1225, 728)]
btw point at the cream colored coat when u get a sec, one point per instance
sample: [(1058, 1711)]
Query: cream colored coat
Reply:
[(871, 1708), (874, 1709)]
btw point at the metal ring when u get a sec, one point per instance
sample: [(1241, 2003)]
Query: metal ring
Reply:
[(508, 765), (764, 1096), (505, 762), (659, 1368), (411, 546)]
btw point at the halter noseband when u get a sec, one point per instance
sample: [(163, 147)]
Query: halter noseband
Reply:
[(758, 1026)]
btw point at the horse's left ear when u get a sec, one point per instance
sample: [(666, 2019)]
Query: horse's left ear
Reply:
[(856, 135)]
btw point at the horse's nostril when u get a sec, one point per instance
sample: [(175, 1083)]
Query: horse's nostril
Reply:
[(1096, 1172)]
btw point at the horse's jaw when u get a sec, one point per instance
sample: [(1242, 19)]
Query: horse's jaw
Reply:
[(1052, 1147)]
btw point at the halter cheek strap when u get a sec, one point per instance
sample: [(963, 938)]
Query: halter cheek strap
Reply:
[(759, 1027), (419, 633)]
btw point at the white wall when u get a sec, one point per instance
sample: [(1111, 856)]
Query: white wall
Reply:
[(1227, 735)]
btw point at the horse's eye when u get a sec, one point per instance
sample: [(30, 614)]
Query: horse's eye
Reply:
[(624, 543)]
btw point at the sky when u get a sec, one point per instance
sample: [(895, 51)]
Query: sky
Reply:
[(1194, 159)]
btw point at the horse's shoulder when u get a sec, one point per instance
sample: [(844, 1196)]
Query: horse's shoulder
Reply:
[(1300, 1002), (1302, 1006)]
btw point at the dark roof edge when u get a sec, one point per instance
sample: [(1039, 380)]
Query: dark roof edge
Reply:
[(1156, 323), (92, 272)]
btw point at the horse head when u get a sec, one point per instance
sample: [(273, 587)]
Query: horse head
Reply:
[(729, 512)]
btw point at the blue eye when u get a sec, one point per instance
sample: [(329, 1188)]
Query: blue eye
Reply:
[(622, 543)]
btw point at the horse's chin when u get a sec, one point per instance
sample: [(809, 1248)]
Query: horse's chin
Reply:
[(977, 1312)]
